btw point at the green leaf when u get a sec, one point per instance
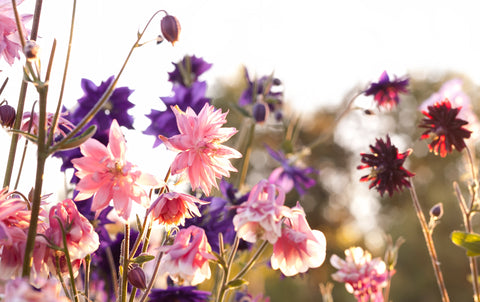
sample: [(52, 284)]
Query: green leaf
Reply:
[(139, 223), (27, 135), (78, 140), (219, 259), (236, 283), (143, 258), (469, 241), (241, 110)]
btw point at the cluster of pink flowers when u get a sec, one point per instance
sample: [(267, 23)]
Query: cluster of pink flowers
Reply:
[(296, 248), (10, 45), (363, 276)]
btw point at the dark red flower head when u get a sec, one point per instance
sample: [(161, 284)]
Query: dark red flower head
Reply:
[(445, 129), (388, 173), (386, 92)]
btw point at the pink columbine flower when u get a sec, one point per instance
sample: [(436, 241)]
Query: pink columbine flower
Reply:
[(30, 123), (82, 239), (187, 258), (172, 208), (10, 45), (202, 156), (363, 276), (20, 290), (105, 173), (14, 223), (260, 216), (299, 248)]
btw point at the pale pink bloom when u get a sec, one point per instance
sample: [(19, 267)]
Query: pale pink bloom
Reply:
[(105, 173), (14, 223), (299, 248), (202, 157), (31, 121), (187, 258), (260, 216), (81, 237), (10, 45), (452, 90), (172, 208), (363, 276), (20, 290)]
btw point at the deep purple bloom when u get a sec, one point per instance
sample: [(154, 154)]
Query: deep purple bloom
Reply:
[(386, 92), (188, 70), (116, 108), (264, 90), (217, 216), (179, 294), (164, 122), (445, 128), (388, 173), (288, 175)]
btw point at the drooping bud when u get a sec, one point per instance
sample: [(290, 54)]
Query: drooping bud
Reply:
[(31, 50), (136, 277), (436, 212), (170, 28), (260, 112), (7, 115)]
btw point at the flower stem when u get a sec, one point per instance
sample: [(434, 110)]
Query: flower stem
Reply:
[(123, 278), (106, 95), (252, 260), (430, 245), (226, 271), (23, 89), (42, 154)]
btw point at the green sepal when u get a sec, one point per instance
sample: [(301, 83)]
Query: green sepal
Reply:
[(143, 258), (219, 259), (469, 241), (77, 140)]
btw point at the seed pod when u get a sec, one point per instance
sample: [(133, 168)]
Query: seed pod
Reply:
[(7, 116), (136, 277), (170, 28)]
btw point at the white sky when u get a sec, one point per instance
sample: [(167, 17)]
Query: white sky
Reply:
[(319, 49)]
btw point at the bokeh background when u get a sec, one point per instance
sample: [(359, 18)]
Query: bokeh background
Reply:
[(324, 52)]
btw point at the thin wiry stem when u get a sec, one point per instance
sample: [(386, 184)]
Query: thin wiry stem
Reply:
[(430, 245)]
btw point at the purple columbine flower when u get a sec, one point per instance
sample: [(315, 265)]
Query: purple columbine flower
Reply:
[(164, 122), (116, 108), (288, 175), (217, 216), (179, 294), (264, 90), (386, 91), (188, 70)]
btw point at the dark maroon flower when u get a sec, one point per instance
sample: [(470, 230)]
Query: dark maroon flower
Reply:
[(386, 92), (388, 173), (7, 115), (170, 28), (444, 127)]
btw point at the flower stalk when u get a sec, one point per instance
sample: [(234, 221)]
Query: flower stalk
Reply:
[(430, 245)]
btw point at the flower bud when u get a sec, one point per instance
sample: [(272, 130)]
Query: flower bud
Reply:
[(170, 28), (31, 50), (436, 212), (260, 112), (7, 116), (136, 277)]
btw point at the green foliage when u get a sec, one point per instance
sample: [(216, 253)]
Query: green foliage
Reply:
[(469, 241)]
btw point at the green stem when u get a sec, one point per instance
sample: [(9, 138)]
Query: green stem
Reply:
[(247, 153), (105, 97), (226, 271), (155, 271), (42, 154), (252, 261), (126, 248), (430, 245), (68, 260), (67, 60), (87, 277), (23, 90)]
